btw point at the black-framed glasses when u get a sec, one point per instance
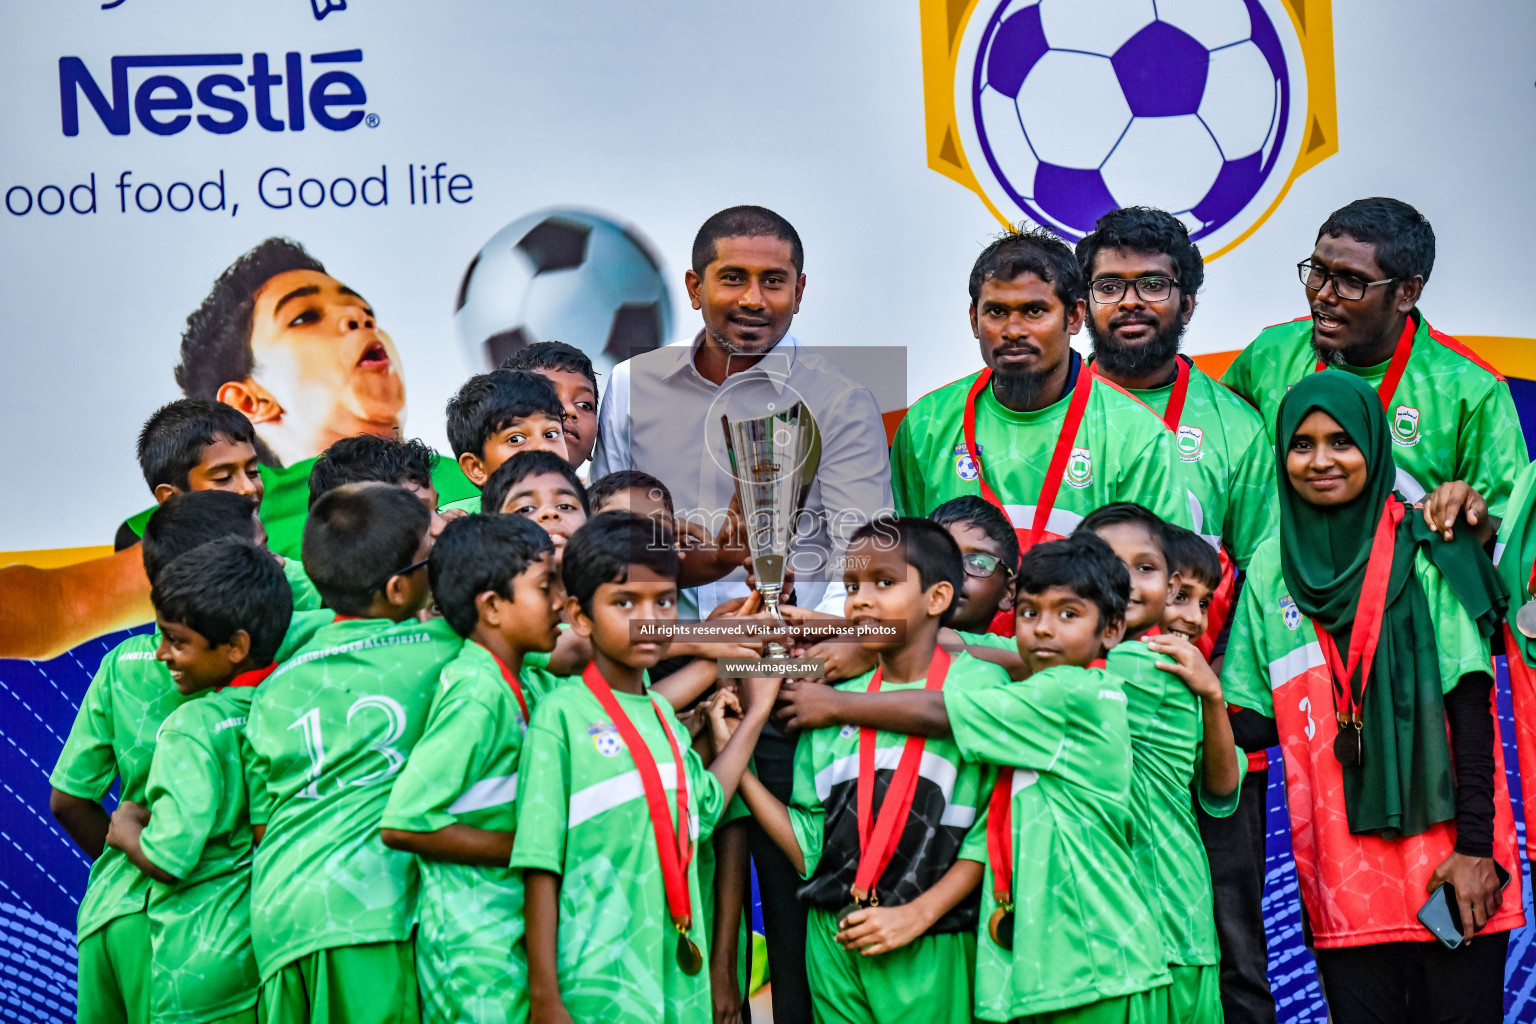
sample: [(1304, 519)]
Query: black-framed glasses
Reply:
[(1345, 286), (982, 566), (408, 569), (1153, 288)]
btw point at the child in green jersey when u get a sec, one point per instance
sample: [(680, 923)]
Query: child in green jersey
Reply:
[(892, 929), (113, 739), (222, 610), (496, 415), (1067, 932), (990, 548), (541, 486), (453, 805), (1165, 708), (569, 369), (332, 906), (610, 804)]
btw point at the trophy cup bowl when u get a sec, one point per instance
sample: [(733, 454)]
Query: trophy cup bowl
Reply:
[(774, 458)]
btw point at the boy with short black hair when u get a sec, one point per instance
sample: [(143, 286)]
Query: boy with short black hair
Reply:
[(1067, 933), (453, 805), (222, 610), (990, 551), (1194, 577), (570, 370), (113, 740), (1173, 706), (368, 458), (182, 519), (892, 927), (498, 414), (193, 444), (541, 486), (332, 907), (632, 491), (611, 934)]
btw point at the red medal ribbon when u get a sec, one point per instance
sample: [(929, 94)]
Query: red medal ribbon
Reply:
[(1175, 410), (252, 678), (1395, 368), (1000, 830), (1058, 466), (877, 841), (1369, 609), (672, 845), (517, 689)]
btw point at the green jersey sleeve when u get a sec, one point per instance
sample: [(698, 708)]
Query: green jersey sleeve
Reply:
[(185, 794), (1022, 725), (906, 475), (1245, 667), (1239, 377), (974, 845), (87, 764), (1219, 806), (708, 797), (1461, 648), (444, 763), (806, 813), (1252, 511), (257, 794), (543, 796), (1493, 451)]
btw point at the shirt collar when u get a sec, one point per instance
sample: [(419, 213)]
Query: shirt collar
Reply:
[(775, 367)]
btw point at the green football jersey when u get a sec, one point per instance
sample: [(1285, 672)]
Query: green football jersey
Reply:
[(824, 807), (470, 961), (1226, 444), (470, 504), (1082, 927), (582, 814), (202, 965), (1122, 452), (1452, 417), (1002, 643), (305, 597), (328, 732), (114, 738), (1165, 723)]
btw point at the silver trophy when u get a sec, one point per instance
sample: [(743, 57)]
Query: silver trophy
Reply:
[(774, 458)]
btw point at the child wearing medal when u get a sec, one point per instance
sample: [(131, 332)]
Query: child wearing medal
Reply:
[(1067, 933), (607, 824), (878, 817), (1364, 633)]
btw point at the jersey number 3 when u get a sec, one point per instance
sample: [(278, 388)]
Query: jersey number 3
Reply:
[(314, 742)]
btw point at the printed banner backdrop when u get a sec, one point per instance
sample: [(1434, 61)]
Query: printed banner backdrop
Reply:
[(489, 174)]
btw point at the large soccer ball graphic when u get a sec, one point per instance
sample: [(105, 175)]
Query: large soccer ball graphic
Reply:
[(1082, 106), (563, 275)]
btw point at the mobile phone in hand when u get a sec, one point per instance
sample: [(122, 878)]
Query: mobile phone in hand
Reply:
[(1441, 913)]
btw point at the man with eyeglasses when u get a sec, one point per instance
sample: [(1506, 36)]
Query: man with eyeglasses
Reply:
[(1454, 427), (1143, 277)]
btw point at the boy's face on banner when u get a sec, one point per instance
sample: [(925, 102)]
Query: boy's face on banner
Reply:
[(320, 355)]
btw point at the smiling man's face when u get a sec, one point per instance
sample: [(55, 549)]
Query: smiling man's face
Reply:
[(323, 363)]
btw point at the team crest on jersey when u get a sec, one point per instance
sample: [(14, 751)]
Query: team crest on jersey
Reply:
[(606, 739), (1191, 443), (1290, 612), (1079, 468), (847, 732), (965, 466), (1405, 425)]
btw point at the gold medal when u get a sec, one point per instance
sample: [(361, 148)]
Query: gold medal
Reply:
[(689, 959), (1000, 927), (1346, 745), (1525, 619)]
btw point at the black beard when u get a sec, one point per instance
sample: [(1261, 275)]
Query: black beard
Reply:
[(1350, 355), (1119, 360), (1019, 390)]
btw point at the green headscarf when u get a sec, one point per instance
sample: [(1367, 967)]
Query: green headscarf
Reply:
[(1403, 782)]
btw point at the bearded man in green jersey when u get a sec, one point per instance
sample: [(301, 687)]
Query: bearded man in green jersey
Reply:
[(1451, 415)]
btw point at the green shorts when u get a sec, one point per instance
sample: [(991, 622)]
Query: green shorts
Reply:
[(113, 973), (369, 984), (927, 980), (1150, 1007)]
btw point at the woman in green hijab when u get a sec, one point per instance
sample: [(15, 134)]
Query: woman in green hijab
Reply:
[(1364, 633)]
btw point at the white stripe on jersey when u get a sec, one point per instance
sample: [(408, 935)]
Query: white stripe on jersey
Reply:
[(1498, 553), (492, 792), (1023, 778), (1060, 521), (958, 816), (1287, 667), (605, 796), (846, 769), (1408, 487)]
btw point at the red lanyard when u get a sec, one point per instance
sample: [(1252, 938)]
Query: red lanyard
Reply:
[(877, 842), (1000, 830), (672, 846), (1175, 409), (517, 690), (1369, 609), (1058, 467), (252, 678), (1395, 368)]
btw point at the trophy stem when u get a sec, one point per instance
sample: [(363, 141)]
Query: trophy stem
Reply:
[(771, 606)]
